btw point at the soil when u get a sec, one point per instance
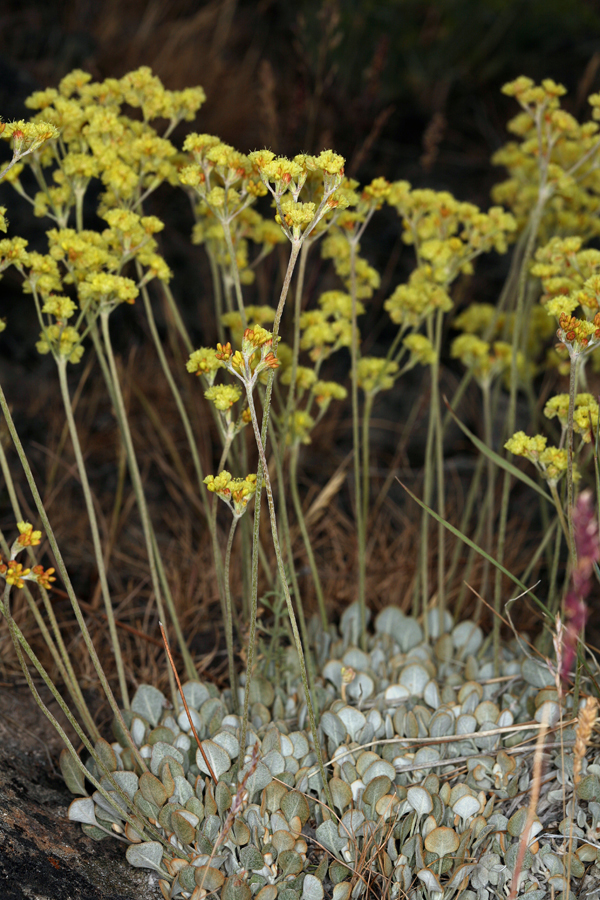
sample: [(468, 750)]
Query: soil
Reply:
[(43, 856)]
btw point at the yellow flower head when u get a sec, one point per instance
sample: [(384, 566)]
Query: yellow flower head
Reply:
[(223, 395), (420, 348), (530, 447), (376, 374), (305, 377), (28, 537), (326, 391)]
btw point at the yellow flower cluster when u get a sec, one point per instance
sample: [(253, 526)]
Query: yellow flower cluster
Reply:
[(14, 572), (486, 360), (27, 137), (301, 424), (223, 395), (446, 233), (376, 374), (327, 329), (326, 391), (585, 414), (305, 378), (412, 303), (97, 141), (551, 145), (107, 290), (235, 492), (551, 462), (204, 362), (62, 341), (27, 536), (421, 349)]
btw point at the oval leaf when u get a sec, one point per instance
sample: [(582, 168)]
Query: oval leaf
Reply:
[(147, 855)]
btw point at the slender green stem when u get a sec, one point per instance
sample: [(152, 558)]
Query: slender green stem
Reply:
[(358, 502), (286, 591), (472, 495), (185, 419), (304, 532), (19, 641), (533, 228), (260, 477), (366, 462), (60, 564), (179, 323), (192, 444), (570, 484), (229, 618), (61, 363), (217, 292), (466, 572), (59, 652), (136, 480), (291, 397), (560, 513), (251, 645), (490, 485), (439, 458), (427, 493), (540, 549), (285, 527), (234, 269)]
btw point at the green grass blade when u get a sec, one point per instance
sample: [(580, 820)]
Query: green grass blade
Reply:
[(476, 547), (499, 460)]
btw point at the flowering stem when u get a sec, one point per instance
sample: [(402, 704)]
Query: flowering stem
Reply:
[(360, 522), (439, 444), (179, 324), (260, 477), (366, 423), (19, 641), (61, 363), (491, 472), (59, 651), (136, 479), (286, 590), (229, 617), (472, 495), (560, 512), (305, 536), (192, 444), (60, 564), (570, 493), (533, 228), (234, 268)]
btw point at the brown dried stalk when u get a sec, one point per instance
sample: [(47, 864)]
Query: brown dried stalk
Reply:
[(199, 742), (583, 731), (536, 783)]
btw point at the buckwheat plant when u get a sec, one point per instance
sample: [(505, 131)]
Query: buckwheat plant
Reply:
[(177, 784)]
